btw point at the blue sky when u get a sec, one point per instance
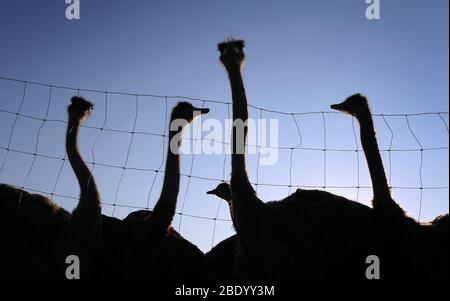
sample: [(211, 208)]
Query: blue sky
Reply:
[(301, 57)]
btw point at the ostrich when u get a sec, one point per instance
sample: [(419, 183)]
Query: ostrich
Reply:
[(38, 234), (220, 261), (382, 202), (161, 218), (86, 220), (147, 246), (309, 235), (426, 245), (226, 260)]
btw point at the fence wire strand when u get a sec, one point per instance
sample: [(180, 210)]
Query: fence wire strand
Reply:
[(420, 167), (130, 145), (358, 178)]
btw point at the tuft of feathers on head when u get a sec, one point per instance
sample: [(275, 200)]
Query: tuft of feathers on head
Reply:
[(231, 42)]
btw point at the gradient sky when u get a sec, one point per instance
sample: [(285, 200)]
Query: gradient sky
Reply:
[(301, 57)]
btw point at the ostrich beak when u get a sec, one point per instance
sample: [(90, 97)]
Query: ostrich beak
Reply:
[(203, 111), (212, 192), (337, 107)]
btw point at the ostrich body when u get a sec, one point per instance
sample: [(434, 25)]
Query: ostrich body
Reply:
[(309, 235), (31, 233), (410, 249), (144, 244), (220, 261)]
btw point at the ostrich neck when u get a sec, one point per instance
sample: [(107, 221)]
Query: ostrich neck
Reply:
[(89, 195), (164, 210), (245, 200), (370, 146), (240, 114)]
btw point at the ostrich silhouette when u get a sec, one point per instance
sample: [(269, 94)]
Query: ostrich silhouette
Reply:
[(86, 220), (220, 261), (227, 260), (144, 245), (382, 202), (38, 234), (309, 235), (426, 246)]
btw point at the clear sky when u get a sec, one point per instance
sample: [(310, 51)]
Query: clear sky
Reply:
[(301, 57)]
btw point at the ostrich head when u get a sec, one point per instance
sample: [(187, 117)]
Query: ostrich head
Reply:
[(79, 109), (186, 111), (232, 52), (222, 191), (356, 105)]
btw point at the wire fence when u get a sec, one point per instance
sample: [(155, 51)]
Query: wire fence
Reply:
[(18, 114)]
